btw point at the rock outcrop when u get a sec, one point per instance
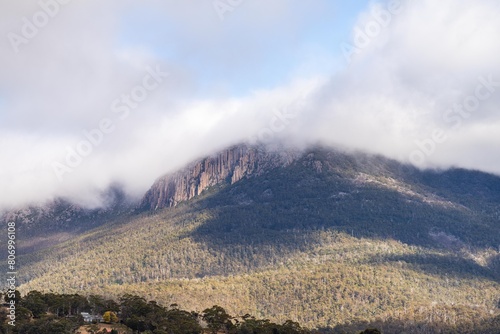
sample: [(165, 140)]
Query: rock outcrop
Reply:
[(228, 166)]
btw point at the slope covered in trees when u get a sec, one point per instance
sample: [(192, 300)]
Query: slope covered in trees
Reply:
[(49, 313), (331, 240)]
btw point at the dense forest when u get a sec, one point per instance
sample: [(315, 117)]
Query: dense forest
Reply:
[(49, 313), (339, 281)]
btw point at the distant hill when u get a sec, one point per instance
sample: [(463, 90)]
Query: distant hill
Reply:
[(43, 225)]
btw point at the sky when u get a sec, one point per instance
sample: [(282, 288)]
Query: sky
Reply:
[(94, 94)]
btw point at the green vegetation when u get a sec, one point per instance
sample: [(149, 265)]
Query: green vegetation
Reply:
[(336, 280), (138, 316), (110, 317), (333, 242)]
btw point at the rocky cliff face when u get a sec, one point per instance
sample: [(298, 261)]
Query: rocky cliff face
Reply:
[(228, 166)]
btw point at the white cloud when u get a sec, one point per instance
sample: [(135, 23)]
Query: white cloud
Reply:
[(393, 94), (398, 88)]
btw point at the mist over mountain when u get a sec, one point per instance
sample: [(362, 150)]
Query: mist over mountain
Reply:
[(421, 88), (253, 218), (363, 187), (330, 162)]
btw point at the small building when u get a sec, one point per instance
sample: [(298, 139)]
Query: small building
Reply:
[(87, 317)]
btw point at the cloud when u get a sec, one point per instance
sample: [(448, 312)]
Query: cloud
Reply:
[(235, 80), (400, 86)]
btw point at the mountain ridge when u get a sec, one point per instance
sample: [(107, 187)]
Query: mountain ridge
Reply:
[(226, 166), (231, 166), (317, 235)]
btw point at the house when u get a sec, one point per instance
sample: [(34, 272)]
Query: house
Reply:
[(87, 317)]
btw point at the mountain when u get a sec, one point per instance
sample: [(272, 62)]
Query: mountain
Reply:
[(228, 166), (39, 226), (321, 236), (344, 191)]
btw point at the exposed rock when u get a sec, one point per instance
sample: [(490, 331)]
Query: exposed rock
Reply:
[(228, 166)]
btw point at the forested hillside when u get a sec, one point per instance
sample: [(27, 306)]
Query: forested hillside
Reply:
[(331, 240), (50, 313)]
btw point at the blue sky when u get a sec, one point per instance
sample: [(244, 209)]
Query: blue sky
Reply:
[(285, 51)]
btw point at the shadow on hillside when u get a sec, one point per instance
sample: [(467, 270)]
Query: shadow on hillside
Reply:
[(298, 200), (278, 214), (443, 265), (262, 234)]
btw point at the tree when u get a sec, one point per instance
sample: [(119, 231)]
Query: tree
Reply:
[(8, 295), (180, 322), (217, 319), (109, 317), (136, 312), (54, 303), (111, 305), (34, 302), (97, 304), (371, 331), (292, 327), (133, 306), (23, 314)]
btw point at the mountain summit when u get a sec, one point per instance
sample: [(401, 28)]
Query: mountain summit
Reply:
[(326, 187), (226, 167)]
